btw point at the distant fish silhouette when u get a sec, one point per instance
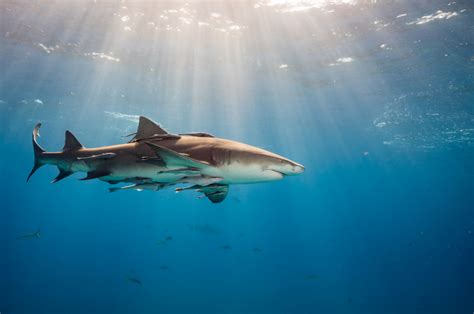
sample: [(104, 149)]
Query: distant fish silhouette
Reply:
[(164, 267), (204, 229), (225, 247), (134, 280), (257, 250), (34, 235), (165, 240)]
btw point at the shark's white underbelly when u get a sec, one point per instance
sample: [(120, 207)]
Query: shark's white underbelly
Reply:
[(239, 173), (236, 173)]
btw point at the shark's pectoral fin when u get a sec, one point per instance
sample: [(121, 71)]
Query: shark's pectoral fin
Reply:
[(216, 193), (96, 174), (172, 158), (62, 174)]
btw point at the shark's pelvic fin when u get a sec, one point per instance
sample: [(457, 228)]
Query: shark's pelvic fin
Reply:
[(147, 128), (96, 174), (172, 158), (38, 151), (62, 174), (71, 142)]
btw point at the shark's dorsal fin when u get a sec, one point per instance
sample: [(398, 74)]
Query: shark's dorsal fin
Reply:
[(148, 128), (71, 142)]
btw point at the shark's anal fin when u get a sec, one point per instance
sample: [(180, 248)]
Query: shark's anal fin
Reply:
[(71, 142), (171, 157), (62, 174), (96, 174)]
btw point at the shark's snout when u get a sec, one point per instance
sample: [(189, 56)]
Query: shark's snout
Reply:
[(297, 168), (287, 167)]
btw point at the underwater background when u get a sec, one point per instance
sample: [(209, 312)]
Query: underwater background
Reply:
[(374, 98)]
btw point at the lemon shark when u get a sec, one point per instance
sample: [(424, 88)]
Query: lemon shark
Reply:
[(154, 159)]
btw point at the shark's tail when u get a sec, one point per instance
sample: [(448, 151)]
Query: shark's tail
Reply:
[(111, 190), (38, 151)]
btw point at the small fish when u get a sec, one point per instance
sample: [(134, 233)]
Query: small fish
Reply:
[(134, 280), (204, 229), (201, 180), (225, 247), (34, 235), (164, 267), (165, 240), (139, 187), (257, 250)]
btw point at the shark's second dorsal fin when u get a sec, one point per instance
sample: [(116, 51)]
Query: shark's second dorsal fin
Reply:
[(148, 128), (71, 142)]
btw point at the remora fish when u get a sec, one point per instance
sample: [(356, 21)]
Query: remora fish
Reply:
[(139, 187), (156, 156)]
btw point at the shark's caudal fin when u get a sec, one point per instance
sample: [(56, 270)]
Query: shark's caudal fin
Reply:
[(61, 175), (70, 144), (38, 151)]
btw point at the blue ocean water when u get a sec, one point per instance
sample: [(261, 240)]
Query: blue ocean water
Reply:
[(374, 98)]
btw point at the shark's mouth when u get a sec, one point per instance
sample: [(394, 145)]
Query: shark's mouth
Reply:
[(276, 172), (282, 174)]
